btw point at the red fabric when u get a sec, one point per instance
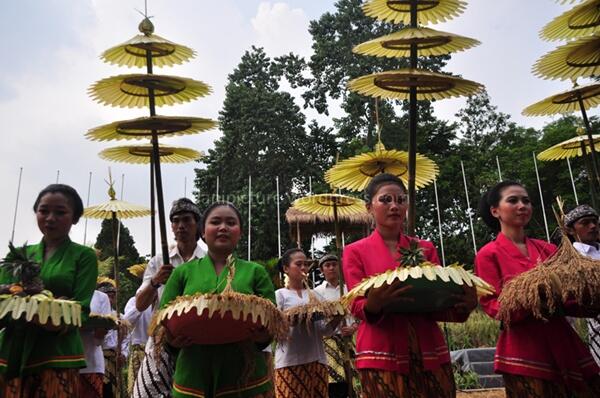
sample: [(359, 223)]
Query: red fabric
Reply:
[(382, 343), (547, 350)]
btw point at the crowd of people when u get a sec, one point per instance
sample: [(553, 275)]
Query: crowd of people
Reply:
[(391, 353)]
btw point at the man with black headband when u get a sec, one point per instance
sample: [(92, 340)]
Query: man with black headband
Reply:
[(155, 376), (582, 225)]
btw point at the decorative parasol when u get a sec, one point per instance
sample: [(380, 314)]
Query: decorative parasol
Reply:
[(429, 43), (142, 154), (308, 223), (567, 101), (138, 270), (142, 127), (131, 91), (429, 11), (133, 51), (578, 58), (582, 20), (356, 172), (569, 149)]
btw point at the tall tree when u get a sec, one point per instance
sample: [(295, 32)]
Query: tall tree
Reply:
[(264, 136)]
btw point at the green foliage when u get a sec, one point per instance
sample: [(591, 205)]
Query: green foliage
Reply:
[(465, 380), (478, 331), (128, 257)]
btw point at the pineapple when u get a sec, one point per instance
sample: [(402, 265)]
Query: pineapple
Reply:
[(24, 269), (412, 256)]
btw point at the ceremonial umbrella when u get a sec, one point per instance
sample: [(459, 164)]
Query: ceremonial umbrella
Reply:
[(142, 154), (429, 43), (413, 84), (578, 58), (573, 147), (336, 206), (582, 20), (356, 172), (142, 127)]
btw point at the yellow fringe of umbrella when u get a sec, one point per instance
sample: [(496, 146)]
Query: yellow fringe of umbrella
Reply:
[(568, 149), (566, 102), (165, 126), (141, 154), (579, 58), (48, 310), (356, 172), (396, 85), (429, 43), (454, 274), (398, 11), (582, 20), (132, 53), (567, 275), (137, 270), (131, 91), (322, 205)]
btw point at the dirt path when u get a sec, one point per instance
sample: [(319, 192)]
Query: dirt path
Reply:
[(492, 393)]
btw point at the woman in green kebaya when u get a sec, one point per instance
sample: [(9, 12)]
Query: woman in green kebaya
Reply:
[(44, 360), (225, 370)]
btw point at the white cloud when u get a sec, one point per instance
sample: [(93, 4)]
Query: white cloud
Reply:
[(281, 29)]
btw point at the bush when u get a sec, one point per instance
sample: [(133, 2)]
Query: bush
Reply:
[(478, 331), (465, 380)]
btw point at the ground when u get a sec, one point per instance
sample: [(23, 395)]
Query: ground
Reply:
[(491, 393)]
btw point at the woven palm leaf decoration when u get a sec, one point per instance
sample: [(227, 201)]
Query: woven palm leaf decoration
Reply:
[(26, 298), (315, 309), (205, 308), (428, 278)]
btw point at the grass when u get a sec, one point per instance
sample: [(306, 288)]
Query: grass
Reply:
[(478, 331)]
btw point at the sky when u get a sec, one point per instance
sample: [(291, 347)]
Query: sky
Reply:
[(50, 56)]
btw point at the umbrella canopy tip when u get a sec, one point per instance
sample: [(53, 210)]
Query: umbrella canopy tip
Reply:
[(146, 26)]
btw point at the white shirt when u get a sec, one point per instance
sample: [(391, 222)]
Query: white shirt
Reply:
[(139, 322), (332, 293), (593, 323), (112, 337), (92, 347), (304, 345), (157, 261)]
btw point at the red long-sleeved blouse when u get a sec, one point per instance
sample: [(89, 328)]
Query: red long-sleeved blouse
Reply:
[(547, 350), (382, 343)]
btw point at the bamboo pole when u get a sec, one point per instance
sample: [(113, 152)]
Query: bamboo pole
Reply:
[(12, 234), (572, 182), (537, 176), (462, 166), (439, 216), (87, 204)]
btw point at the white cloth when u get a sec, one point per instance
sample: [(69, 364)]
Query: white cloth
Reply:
[(92, 347), (593, 323), (111, 339), (329, 292), (157, 261), (305, 344), (139, 322)]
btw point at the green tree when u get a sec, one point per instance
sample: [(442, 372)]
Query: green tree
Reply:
[(128, 256), (264, 135)]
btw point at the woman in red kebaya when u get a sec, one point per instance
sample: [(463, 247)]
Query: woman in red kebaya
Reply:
[(397, 354), (537, 358)]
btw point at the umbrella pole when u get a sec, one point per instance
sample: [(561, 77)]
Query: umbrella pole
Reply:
[(345, 340), (157, 173), (87, 204), (152, 209), (588, 129), (588, 166), (412, 130), (572, 182), (115, 232), (539, 183)]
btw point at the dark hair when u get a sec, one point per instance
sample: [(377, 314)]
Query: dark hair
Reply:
[(491, 199), (213, 206), (287, 257), (69, 192), (380, 180)]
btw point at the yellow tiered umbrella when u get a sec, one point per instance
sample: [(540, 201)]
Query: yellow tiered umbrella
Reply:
[(582, 20), (570, 148), (142, 154), (429, 11), (142, 127), (429, 85), (356, 172), (579, 58), (132, 91), (133, 51), (138, 270), (566, 102), (429, 43)]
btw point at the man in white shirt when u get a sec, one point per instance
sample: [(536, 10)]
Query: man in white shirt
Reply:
[(91, 382), (138, 337), (155, 376), (330, 290), (582, 225)]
